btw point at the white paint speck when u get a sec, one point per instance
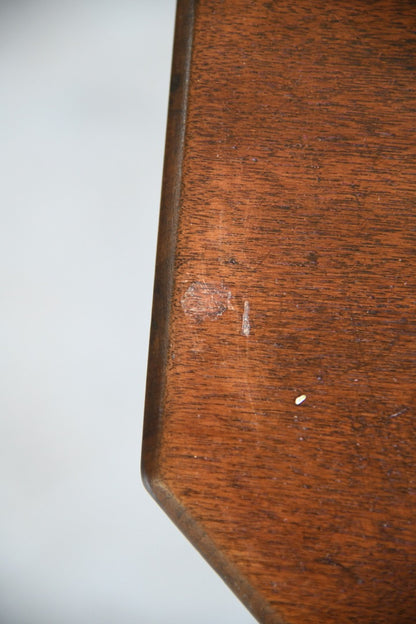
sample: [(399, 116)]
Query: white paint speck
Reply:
[(245, 325), (300, 399)]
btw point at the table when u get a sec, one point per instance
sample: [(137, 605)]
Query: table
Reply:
[(279, 430)]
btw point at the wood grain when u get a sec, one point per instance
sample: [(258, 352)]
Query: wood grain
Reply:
[(279, 430)]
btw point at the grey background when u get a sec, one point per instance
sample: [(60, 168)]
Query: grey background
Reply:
[(83, 98)]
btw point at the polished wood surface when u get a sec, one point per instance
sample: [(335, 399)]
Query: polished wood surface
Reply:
[(280, 417)]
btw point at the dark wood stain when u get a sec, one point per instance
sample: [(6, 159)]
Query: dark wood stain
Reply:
[(286, 267)]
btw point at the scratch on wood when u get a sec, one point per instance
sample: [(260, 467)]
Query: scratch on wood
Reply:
[(204, 301), (245, 325), (347, 569), (401, 411)]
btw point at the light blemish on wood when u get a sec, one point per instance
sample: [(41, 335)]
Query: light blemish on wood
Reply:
[(245, 325), (204, 301), (300, 399)]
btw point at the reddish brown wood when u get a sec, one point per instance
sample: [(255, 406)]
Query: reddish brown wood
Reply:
[(286, 267)]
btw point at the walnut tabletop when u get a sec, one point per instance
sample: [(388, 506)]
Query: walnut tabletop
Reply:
[(280, 428)]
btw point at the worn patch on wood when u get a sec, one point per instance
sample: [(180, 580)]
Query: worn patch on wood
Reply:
[(205, 301)]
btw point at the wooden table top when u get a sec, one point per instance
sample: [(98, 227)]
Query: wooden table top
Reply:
[(280, 416)]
